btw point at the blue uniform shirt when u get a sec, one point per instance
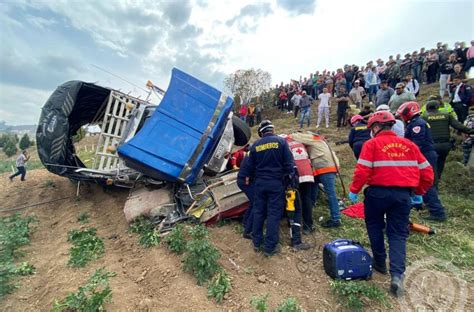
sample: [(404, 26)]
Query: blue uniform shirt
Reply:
[(418, 131), (359, 133), (245, 170), (270, 158)]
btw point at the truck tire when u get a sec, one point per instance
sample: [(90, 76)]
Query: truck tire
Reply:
[(242, 132)]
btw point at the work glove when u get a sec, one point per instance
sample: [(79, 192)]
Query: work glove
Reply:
[(417, 200), (353, 197)]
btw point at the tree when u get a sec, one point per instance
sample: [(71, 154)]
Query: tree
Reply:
[(25, 142), (9, 148), (248, 83)]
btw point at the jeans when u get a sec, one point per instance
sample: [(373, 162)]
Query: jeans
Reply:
[(21, 171), (373, 91), (323, 111), (296, 110), (329, 182), (443, 79), (416, 71), (394, 204), (305, 113), (341, 118)]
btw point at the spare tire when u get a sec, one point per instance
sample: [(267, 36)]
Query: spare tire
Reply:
[(242, 132)]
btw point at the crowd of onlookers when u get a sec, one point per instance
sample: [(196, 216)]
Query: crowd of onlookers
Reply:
[(392, 83)]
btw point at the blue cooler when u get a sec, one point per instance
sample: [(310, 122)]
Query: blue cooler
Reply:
[(179, 138), (346, 259)]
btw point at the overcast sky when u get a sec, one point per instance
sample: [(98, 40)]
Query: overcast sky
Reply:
[(46, 43)]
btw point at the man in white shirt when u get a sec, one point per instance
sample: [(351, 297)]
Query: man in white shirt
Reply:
[(20, 165), (323, 107), (412, 85), (295, 99)]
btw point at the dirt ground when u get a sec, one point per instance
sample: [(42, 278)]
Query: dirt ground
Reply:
[(148, 279)]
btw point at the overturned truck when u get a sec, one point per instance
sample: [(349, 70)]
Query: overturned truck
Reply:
[(172, 154)]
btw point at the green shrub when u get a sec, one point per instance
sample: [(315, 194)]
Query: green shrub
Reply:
[(289, 305), (87, 246), (353, 293), (9, 148), (83, 218), (260, 303), (148, 236), (14, 233), (219, 286), (176, 240), (90, 297), (201, 256), (25, 142)]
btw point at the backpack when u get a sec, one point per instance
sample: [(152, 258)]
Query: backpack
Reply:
[(413, 83)]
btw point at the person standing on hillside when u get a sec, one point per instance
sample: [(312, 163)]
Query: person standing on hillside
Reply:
[(440, 124), (461, 94), (399, 97), (357, 94), (418, 131), (445, 71), (397, 175), (272, 165), (342, 101), (20, 165), (323, 108), (305, 107), (383, 94)]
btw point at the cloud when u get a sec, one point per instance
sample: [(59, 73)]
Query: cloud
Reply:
[(177, 12), (298, 6), (247, 19)]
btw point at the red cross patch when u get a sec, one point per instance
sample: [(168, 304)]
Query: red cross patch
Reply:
[(417, 129)]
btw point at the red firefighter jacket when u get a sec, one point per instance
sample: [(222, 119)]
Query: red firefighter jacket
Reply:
[(302, 161), (388, 160)]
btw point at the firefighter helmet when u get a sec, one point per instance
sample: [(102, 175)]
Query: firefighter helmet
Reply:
[(381, 117), (355, 119), (408, 110), (264, 127)]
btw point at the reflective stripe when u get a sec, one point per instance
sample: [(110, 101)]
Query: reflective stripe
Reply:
[(324, 170), (365, 163), (424, 165), (306, 178), (396, 163)]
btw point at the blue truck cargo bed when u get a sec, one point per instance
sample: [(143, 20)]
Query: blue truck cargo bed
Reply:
[(177, 140)]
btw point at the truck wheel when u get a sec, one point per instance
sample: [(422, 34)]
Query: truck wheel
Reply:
[(242, 132)]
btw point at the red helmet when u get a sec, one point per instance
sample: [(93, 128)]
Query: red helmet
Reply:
[(408, 110), (381, 117), (355, 119)]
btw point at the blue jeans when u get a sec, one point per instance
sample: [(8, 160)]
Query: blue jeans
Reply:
[(21, 171), (394, 204), (269, 204), (348, 86), (329, 182), (373, 91), (305, 113)]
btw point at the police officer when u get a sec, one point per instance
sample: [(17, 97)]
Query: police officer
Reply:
[(443, 106), (397, 174), (418, 131), (359, 134), (271, 163), (440, 123)]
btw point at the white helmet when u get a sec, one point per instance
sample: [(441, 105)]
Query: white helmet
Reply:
[(383, 107)]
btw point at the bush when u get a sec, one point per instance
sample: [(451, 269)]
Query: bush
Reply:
[(148, 235), (352, 293), (289, 305), (9, 148), (25, 142), (219, 286), (90, 297), (201, 256), (86, 247), (260, 303), (176, 240), (14, 233)]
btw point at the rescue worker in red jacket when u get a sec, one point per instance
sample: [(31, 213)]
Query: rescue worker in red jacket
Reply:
[(398, 175), (304, 206)]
